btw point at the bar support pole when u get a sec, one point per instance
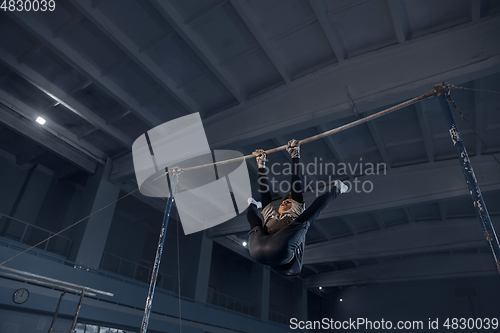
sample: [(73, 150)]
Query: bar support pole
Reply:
[(470, 177), (51, 329), (73, 330), (159, 251)]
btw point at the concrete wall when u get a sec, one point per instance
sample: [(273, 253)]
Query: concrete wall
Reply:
[(11, 178), (281, 296), (229, 279)]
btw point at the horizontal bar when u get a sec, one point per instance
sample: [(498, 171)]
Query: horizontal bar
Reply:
[(55, 280)]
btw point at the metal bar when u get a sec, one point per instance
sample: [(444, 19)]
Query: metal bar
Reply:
[(55, 280), (47, 242), (119, 265), (159, 251), (43, 283), (327, 133), (72, 330), (470, 177), (24, 233), (51, 329)]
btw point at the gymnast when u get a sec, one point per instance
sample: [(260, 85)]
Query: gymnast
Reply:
[(279, 242)]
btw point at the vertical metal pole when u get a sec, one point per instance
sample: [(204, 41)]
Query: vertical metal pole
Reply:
[(470, 177), (119, 265), (72, 330), (51, 329), (159, 251), (24, 233), (47, 242)]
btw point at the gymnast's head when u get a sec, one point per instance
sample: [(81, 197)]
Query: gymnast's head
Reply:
[(285, 205)]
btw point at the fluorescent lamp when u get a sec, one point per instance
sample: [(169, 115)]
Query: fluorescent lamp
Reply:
[(40, 120)]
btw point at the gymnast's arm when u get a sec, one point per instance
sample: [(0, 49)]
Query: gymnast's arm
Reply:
[(294, 151), (262, 173)]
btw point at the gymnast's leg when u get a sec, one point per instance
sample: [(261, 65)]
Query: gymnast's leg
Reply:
[(322, 202)]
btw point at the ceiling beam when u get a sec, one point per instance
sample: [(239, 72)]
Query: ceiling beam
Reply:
[(67, 173), (95, 3), (378, 220), (379, 143), (444, 266), (29, 130), (425, 129), (24, 157), (345, 220), (119, 117), (250, 19), (134, 52), (296, 27), (442, 210), (203, 11), (50, 126), (33, 49), (80, 87), (415, 184), (400, 187), (87, 133), (400, 20), (322, 230), (333, 146), (415, 238), (66, 25), (167, 10), (156, 40), (381, 147), (475, 9), (312, 268), (408, 215), (60, 96), (381, 77), (320, 9), (83, 65), (320, 97)]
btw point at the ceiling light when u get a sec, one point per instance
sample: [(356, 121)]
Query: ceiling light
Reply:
[(341, 299), (40, 120), (320, 288), (244, 244)]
